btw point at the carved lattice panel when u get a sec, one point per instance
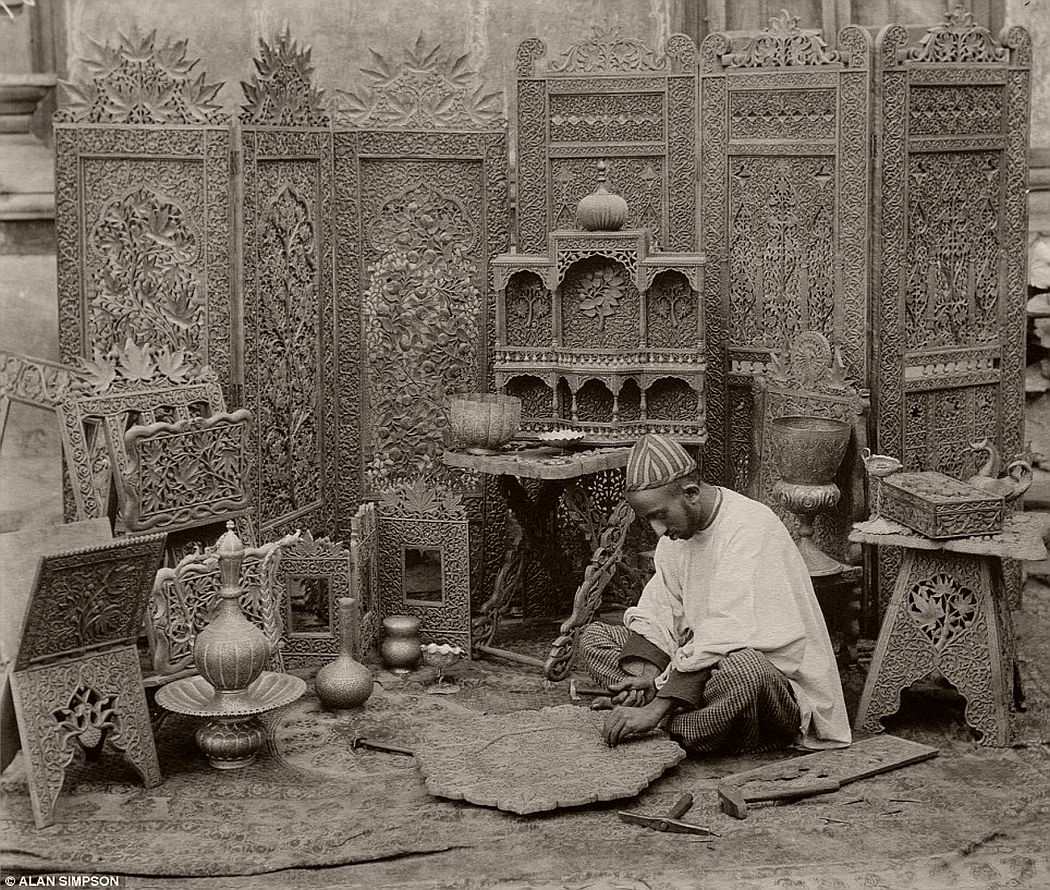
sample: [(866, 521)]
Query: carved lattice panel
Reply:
[(784, 211), (608, 97), (142, 208), (950, 247)]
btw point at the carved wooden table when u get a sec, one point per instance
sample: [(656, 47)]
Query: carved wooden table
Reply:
[(560, 474), (949, 613)]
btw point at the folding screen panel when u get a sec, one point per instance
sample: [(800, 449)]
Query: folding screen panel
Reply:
[(950, 246), (784, 214), (142, 208), (290, 320)]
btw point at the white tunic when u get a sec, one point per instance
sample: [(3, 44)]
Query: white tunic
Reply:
[(741, 583)]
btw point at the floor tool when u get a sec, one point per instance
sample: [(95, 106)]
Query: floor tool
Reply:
[(733, 799), (359, 742), (671, 822)]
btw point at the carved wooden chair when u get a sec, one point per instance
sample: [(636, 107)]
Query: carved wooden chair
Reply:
[(129, 386), (808, 377), (185, 596)]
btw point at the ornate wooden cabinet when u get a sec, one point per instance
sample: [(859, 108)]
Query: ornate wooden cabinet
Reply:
[(602, 330), (784, 213)]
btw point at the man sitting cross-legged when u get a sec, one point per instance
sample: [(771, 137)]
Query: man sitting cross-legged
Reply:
[(727, 646)]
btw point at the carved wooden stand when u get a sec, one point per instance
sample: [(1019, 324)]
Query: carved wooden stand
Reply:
[(561, 475), (949, 613), (76, 680)]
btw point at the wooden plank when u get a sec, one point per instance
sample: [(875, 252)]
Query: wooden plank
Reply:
[(863, 759)]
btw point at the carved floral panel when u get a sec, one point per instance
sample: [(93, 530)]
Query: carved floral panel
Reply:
[(672, 314), (143, 241), (529, 312), (600, 306), (423, 311), (618, 117)]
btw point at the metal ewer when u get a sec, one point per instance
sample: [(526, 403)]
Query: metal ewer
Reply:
[(232, 689)]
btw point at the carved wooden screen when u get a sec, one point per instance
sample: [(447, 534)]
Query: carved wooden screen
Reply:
[(610, 98), (142, 208), (420, 208), (784, 214), (289, 314), (950, 246)]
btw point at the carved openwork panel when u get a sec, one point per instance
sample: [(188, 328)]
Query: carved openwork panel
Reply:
[(142, 209), (364, 573), (784, 173), (88, 599), (608, 97), (127, 385), (530, 312), (184, 474), (185, 596), (82, 703), (30, 381), (950, 242), (312, 575), (424, 561)]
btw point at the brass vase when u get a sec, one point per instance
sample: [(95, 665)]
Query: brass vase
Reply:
[(344, 682), (401, 644)]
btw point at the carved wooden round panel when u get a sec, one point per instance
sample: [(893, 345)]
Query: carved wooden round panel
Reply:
[(531, 761)]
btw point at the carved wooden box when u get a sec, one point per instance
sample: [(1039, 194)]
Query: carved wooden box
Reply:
[(938, 506)]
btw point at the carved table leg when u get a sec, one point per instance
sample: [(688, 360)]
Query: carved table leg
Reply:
[(80, 702), (588, 598), (507, 581), (529, 530), (943, 616)]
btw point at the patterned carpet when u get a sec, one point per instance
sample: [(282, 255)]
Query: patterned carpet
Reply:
[(312, 812)]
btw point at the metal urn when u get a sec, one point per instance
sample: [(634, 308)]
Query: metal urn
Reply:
[(809, 452), (344, 682)]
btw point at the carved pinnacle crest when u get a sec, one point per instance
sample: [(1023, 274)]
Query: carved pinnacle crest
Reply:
[(281, 92)]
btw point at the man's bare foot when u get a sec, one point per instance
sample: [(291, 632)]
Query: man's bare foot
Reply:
[(602, 703)]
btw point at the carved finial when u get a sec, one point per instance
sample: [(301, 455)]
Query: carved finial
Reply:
[(281, 92), (603, 169), (230, 551), (784, 44), (138, 82), (958, 39)]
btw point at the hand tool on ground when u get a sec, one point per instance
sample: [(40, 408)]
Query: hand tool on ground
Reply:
[(733, 799), (671, 822), (359, 742)]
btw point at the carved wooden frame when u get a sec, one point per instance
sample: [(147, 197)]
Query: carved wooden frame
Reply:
[(31, 381), (364, 574), (76, 676), (311, 558), (184, 595), (427, 518), (154, 471), (782, 65)]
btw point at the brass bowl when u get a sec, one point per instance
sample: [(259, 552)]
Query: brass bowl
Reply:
[(482, 422)]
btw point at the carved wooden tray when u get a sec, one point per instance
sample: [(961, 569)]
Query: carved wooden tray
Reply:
[(531, 761)]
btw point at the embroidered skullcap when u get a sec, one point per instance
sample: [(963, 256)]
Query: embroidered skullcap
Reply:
[(655, 461)]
